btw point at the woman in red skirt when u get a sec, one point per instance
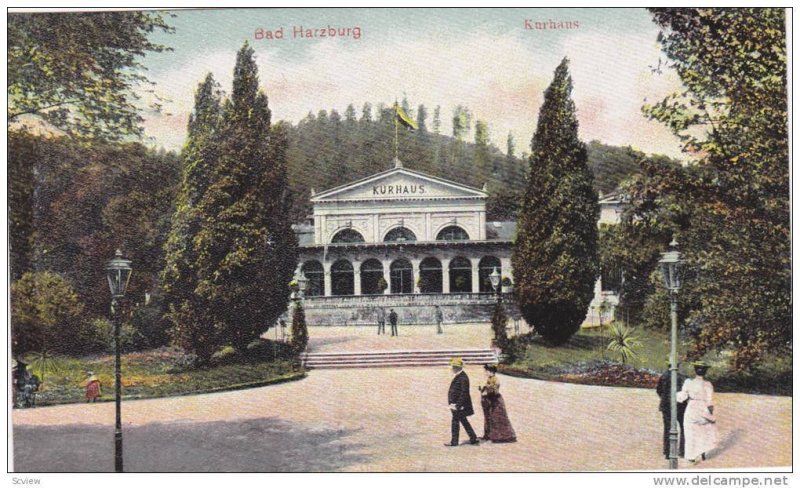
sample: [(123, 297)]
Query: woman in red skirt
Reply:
[(92, 387), (496, 426)]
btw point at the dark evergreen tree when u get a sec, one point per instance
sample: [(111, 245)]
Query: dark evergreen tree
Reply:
[(555, 257), (499, 322), (192, 328), (483, 158), (299, 329), (366, 113), (350, 115), (247, 251), (422, 117)]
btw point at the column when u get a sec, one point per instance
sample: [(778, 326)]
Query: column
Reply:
[(326, 266), (445, 275), (415, 268), (387, 275), (356, 277), (476, 279), (505, 263), (428, 229)]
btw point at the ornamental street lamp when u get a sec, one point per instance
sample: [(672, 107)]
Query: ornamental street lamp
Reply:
[(671, 263), (118, 272), (302, 283), (495, 279)]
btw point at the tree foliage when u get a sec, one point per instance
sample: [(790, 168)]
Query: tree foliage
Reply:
[(325, 151), (299, 329), (555, 256), (80, 72), (46, 315), (732, 117), (246, 249), (499, 323), (192, 328), (71, 205)]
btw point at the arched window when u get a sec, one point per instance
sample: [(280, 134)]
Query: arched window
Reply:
[(371, 275), (430, 275), (347, 235), (399, 234), (460, 275), (452, 233), (485, 269), (402, 276), (342, 278), (315, 275)]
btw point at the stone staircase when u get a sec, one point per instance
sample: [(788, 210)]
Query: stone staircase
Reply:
[(378, 359)]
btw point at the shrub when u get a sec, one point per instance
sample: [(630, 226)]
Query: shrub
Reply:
[(299, 329), (45, 315), (152, 329), (499, 322), (623, 342), (98, 335)]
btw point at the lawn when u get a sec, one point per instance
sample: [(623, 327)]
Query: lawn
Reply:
[(585, 359), (163, 372)]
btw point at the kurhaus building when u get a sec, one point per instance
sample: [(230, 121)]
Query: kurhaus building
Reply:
[(405, 240)]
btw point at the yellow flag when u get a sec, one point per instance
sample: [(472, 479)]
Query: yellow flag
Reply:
[(403, 118)]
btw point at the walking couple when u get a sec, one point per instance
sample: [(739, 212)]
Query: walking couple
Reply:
[(496, 426), (695, 415)]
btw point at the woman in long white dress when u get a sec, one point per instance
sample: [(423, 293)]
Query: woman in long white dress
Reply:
[(700, 424)]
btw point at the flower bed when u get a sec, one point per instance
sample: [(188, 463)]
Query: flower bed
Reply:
[(601, 373)]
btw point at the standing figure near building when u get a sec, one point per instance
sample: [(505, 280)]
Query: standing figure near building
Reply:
[(663, 390), (439, 319), (393, 321), (381, 321), (699, 420), (460, 403)]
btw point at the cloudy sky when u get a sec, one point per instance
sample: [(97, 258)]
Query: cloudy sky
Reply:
[(484, 59)]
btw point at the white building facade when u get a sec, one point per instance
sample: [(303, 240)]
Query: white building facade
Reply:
[(402, 239)]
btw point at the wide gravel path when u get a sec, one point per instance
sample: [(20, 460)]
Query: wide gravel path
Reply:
[(388, 420)]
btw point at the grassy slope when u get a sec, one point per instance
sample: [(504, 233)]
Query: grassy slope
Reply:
[(552, 363), (160, 373)]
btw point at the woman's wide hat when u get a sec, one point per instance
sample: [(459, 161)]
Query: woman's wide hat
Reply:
[(457, 362)]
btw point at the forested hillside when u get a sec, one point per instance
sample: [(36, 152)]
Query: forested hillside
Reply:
[(328, 149)]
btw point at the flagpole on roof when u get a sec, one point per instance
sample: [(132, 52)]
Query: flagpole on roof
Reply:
[(396, 124)]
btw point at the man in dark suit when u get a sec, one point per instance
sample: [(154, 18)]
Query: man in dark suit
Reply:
[(460, 402), (663, 390), (393, 321)]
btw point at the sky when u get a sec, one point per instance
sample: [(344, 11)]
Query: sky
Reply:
[(484, 59)]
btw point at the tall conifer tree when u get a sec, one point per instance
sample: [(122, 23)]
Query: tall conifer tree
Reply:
[(247, 250), (190, 327), (555, 257), (483, 158)]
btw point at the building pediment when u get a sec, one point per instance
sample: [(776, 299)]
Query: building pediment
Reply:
[(399, 184)]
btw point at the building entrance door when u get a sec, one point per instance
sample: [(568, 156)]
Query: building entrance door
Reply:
[(402, 277)]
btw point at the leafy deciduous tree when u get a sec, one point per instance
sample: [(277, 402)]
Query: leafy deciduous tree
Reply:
[(732, 116), (79, 72)]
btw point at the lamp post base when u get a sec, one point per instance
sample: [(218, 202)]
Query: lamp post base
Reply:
[(118, 451)]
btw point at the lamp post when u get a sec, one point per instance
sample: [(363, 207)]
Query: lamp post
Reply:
[(118, 272), (495, 279), (670, 271), (302, 282)]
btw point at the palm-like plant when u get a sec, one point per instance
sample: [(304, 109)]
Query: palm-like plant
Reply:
[(623, 342), (44, 363)]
